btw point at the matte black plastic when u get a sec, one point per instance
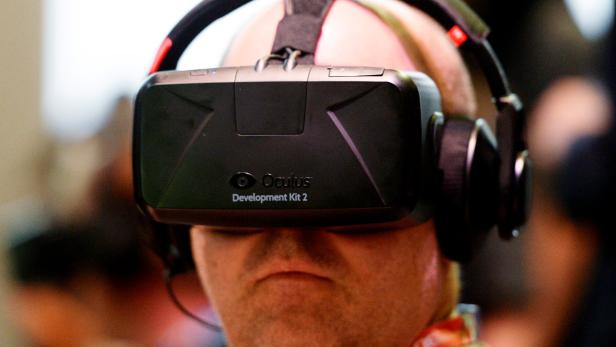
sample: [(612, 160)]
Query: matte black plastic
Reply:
[(468, 201), (345, 149), (448, 13), (258, 110), (472, 199)]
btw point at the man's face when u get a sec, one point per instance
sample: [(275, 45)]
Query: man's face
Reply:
[(322, 287), (332, 287)]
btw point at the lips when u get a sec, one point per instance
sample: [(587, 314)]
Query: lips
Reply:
[(290, 288), (298, 271), (293, 276)]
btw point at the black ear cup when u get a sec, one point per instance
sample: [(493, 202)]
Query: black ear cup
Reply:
[(171, 243), (468, 194)]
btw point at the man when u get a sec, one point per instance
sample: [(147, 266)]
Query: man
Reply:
[(376, 286)]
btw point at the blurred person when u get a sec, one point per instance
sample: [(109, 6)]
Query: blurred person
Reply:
[(540, 43), (86, 279), (560, 254), (586, 191), (333, 287), (569, 244), (84, 286), (63, 283)]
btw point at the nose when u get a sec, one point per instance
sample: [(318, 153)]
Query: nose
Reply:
[(304, 245), (292, 242)]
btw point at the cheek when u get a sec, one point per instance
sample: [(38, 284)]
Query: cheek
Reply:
[(398, 276), (402, 263), (218, 261)]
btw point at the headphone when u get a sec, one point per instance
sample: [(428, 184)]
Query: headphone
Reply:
[(480, 180)]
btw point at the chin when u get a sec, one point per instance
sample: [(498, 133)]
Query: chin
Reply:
[(293, 327), (283, 334)]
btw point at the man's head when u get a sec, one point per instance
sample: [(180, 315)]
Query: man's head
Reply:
[(377, 286)]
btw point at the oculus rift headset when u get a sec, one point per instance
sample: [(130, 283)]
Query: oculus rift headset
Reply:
[(288, 143)]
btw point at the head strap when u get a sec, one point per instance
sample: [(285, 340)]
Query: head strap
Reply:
[(300, 28), (451, 14)]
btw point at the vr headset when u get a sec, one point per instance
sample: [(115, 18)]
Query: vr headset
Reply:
[(288, 143)]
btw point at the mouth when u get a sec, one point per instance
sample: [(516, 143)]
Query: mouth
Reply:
[(293, 288), (293, 276), (291, 272)]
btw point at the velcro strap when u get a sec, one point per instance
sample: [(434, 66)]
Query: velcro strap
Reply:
[(298, 32), (316, 8), (300, 28)]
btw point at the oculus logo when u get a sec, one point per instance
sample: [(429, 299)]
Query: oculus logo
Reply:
[(271, 181), (242, 180)]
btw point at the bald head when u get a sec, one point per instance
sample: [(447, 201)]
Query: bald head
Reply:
[(386, 34)]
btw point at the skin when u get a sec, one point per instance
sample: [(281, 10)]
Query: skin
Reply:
[(330, 287), (295, 287)]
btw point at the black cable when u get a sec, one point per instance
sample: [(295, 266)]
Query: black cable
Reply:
[(168, 275)]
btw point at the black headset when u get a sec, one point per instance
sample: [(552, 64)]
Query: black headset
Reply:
[(482, 180)]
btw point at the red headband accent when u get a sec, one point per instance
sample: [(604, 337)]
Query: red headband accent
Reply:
[(162, 52), (457, 35)]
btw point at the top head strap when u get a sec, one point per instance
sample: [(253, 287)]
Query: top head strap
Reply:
[(301, 27), (451, 14)]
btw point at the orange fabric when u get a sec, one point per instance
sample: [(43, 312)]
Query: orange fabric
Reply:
[(450, 333)]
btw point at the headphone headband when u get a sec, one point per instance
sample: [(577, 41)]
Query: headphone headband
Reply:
[(449, 13)]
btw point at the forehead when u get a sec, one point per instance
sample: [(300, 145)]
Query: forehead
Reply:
[(352, 35)]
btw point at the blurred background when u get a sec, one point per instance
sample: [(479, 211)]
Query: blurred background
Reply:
[(70, 70)]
